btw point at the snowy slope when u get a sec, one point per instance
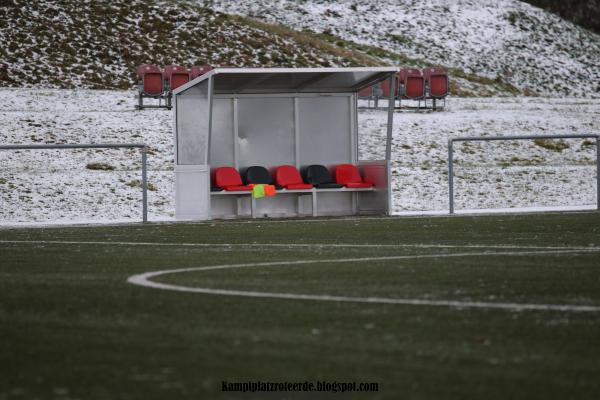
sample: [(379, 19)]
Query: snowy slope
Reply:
[(56, 186), (93, 44), (510, 40)]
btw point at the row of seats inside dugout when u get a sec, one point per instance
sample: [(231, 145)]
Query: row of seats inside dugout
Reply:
[(288, 177)]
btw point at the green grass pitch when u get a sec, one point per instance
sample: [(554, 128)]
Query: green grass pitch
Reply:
[(72, 327)]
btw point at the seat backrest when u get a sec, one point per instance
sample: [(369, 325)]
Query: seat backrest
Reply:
[(317, 174), (153, 84), (257, 174), (199, 70), (147, 68), (347, 173), (414, 83), (287, 175), (437, 79), (366, 92), (227, 176), (385, 88), (176, 76), (414, 88), (152, 79), (402, 75), (438, 86)]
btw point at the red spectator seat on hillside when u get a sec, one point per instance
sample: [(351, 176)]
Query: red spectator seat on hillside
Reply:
[(229, 178), (176, 76), (437, 82), (199, 70), (349, 176), (151, 79), (369, 93), (413, 84), (365, 93), (385, 88), (289, 177)]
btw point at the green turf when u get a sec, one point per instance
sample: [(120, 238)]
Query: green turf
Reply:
[(72, 327)]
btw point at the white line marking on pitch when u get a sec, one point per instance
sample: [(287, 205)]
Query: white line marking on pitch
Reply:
[(291, 245), (144, 280)]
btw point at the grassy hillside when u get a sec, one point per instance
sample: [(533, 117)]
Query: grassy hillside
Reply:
[(98, 44), (506, 41)]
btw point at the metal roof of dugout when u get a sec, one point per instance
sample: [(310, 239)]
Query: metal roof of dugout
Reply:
[(243, 117)]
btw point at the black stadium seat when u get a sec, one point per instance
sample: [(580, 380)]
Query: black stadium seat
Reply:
[(258, 175), (319, 176)]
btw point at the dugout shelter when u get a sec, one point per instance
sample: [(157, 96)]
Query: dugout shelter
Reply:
[(272, 117)]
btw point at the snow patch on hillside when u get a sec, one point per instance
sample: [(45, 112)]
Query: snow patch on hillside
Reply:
[(98, 45), (526, 46)]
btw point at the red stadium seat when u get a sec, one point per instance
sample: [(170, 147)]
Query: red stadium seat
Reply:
[(385, 88), (413, 84), (199, 70), (437, 82), (349, 176), (151, 79), (366, 92), (229, 178), (289, 177), (176, 76)]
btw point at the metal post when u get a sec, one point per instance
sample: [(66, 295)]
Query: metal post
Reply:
[(390, 120), (144, 187), (450, 178)]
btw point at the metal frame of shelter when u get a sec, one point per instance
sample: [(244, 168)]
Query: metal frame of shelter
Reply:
[(241, 117)]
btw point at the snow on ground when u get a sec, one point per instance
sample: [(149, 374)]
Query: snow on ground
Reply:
[(55, 185), (492, 174), (526, 46), (43, 185)]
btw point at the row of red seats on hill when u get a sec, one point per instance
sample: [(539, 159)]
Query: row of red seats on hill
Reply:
[(414, 84), (288, 177), (154, 81)]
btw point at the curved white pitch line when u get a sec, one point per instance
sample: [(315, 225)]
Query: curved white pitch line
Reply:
[(144, 280)]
